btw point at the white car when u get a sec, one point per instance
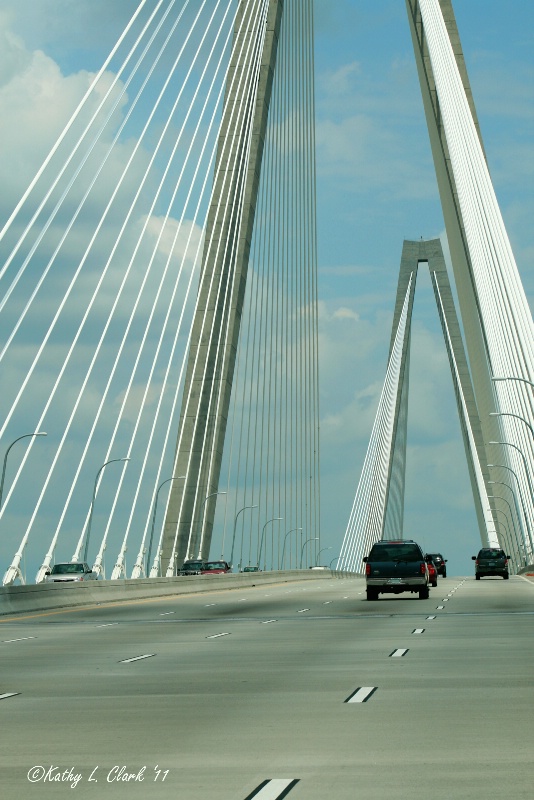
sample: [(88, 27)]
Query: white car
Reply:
[(70, 572)]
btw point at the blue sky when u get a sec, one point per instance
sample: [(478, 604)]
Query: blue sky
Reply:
[(376, 186)]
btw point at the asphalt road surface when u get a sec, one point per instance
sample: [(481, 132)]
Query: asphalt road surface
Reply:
[(301, 690)]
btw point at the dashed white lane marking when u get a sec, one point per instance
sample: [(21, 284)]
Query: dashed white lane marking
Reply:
[(272, 789), (216, 635), (326, 602), (107, 625), (302, 610), (266, 621), (418, 630), (166, 613), (362, 694), (137, 658), (8, 694), (439, 607), (445, 600), (242, 599), (209, 604), (401, 651), (434, 617), (22, 639)]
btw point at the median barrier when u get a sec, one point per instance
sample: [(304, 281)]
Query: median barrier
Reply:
[(46, 596)]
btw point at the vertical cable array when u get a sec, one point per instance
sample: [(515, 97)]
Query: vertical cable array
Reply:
[(367, 517), (97, 264), (100, 260), (505, 317), (272, 457)]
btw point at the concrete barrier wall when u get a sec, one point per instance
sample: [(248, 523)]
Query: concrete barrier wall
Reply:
[(45, 596)]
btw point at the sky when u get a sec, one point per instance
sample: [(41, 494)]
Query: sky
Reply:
[(375, 186)]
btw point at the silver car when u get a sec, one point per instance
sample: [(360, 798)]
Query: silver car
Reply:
[(70, 572)]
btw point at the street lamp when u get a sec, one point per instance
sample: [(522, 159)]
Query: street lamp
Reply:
[(202, 510), (313, 539), (498, 511), (503, 466), (38, 433), (319, 553), (93, 504), (178, 477), (274, 519), (233, 537), (517, 513), (509, 444), (500, 497), (511, 378), (284, 547), (334, 559), (509, 414)]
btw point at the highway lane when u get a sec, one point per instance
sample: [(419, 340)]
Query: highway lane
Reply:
[(307, 690)]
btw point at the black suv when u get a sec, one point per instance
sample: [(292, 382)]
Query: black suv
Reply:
[(394, 566), (491, 561), (193, 567), (440, 562)]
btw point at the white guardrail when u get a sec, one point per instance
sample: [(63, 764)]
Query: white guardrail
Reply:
[(46, 596)]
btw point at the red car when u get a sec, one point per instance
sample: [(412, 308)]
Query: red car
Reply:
[(216, 568), (432, 572)]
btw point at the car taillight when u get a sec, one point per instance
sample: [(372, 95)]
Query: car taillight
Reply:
[(423, 568), (367, 569), (476, 562)]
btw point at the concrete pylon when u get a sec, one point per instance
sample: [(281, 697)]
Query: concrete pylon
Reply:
[(475, 337), (430, 252), (215, 329)]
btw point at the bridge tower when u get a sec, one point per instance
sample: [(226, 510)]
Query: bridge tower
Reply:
[(216, 324), (414, 254)]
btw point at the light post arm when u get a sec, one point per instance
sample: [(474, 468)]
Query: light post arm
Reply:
[(274, 519), (503, 466), (284, 547), (319, 553), (233, 536), (313, 539), (2, 479)]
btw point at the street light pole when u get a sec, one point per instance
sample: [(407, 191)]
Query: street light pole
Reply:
[(503, 466), (233, 537), (517, 512), (281, 565), (509, 414), (516, 535), (202, 511), (93, 504), (509, 444), (274, 519), (319, 553), (38, 433), (498, 511), (510, 378), (313, 539), (149, 553)]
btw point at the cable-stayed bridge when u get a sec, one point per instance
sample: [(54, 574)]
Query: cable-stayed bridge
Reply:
[(159, 308)]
